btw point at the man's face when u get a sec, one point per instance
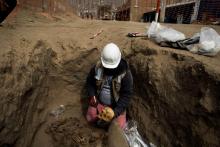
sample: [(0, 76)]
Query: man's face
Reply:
[(109, 71)]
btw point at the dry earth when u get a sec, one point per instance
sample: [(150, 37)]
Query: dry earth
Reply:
[(44, 63)]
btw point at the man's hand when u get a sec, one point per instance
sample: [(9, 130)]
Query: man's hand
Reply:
[(107, 114), (93, 101)]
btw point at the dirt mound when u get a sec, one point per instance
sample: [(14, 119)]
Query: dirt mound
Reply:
[(29, 92), (22, 89), (178, 102)]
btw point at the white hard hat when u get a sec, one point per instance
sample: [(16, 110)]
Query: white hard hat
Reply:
[(111, 56)]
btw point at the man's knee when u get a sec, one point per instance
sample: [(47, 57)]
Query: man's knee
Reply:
[(91, 115), (121, 119)]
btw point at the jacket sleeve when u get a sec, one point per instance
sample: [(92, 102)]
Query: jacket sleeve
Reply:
[(125, 94), (91, 83)]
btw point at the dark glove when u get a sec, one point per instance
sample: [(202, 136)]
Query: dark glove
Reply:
[(93, 101)]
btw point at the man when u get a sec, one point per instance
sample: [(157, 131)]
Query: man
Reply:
[(110, 87)]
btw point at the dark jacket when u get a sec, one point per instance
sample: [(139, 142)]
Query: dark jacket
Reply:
[(126, 89)]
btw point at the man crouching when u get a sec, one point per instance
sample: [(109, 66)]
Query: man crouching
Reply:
[(110, 87)]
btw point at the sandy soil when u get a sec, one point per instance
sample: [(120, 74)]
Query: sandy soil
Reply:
[(29, 38)]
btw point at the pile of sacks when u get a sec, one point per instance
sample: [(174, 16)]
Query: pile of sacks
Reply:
[(206, 42)]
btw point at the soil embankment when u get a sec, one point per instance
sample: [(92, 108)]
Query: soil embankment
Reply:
[(177, 98)]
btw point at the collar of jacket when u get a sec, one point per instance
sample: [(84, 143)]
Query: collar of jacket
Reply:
[(116, 80)]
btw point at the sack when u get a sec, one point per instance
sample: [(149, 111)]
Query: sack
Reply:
[(161, 33), (209, 41), (133, 137), (153, 29), (169, 35)]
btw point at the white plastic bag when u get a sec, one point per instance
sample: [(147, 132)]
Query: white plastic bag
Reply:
[(133, 137), (209, 41), (170, 35), (161, 33), (153, 29)]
